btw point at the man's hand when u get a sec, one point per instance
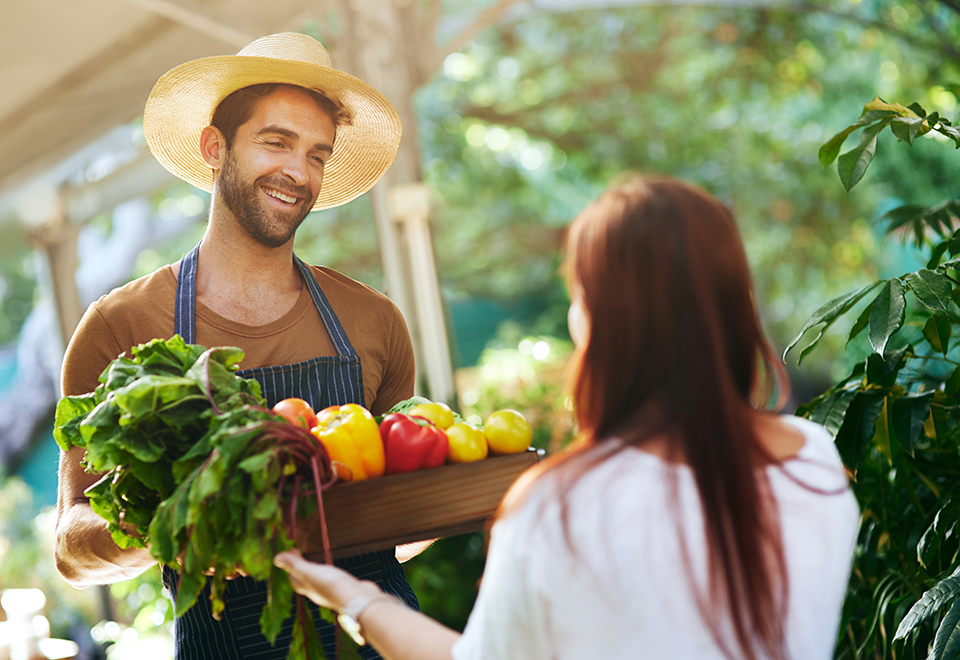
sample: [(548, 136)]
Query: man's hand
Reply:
[(408, 551), (85, 552)]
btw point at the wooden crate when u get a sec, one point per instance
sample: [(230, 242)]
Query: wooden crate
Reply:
[(381, 513)]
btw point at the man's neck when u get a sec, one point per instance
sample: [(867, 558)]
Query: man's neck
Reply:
[(244, 280)]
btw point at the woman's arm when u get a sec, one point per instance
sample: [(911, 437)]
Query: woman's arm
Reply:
[(395, 630)]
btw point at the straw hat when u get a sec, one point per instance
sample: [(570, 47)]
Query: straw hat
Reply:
[(182, 102)]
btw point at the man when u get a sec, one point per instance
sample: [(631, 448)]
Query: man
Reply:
[(273, 132)]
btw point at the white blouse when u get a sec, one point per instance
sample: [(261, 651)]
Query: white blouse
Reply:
[(626, 593)]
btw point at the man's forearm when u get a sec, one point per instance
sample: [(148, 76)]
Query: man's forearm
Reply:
[(86, 554)]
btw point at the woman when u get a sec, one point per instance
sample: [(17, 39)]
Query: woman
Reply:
[(686, 522)]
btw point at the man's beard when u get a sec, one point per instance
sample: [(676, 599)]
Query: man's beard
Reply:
[(244, 203)]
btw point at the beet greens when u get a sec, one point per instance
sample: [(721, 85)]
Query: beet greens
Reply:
[(199, 471)]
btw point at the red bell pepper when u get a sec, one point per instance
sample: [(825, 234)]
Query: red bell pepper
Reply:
[(412, 443)]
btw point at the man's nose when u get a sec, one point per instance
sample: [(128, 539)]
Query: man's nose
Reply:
[(297, 168)]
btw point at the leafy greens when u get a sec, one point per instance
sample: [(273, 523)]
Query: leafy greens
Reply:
[(199, 471)]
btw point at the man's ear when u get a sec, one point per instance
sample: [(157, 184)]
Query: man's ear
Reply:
[(213, 147)]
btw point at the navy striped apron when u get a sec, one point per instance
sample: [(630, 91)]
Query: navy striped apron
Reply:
[(322, 381)]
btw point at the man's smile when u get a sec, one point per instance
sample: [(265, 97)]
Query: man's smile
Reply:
[(283, 197)]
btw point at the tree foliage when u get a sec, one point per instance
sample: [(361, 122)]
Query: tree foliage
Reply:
[(529, 122), (895, 416)]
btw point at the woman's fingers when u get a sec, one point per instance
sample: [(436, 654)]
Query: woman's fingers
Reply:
[(315, 581), (327, 586)]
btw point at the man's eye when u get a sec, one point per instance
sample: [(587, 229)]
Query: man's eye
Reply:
[(274, 143)]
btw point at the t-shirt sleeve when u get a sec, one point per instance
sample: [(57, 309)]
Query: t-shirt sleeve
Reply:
[(92, 347), (399, 370), (510, 616)]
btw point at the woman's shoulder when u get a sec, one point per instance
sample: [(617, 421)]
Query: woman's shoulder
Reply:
[(817, 440), (590, 478), (818, 464)]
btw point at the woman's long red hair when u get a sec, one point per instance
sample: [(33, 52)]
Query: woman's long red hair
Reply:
[(675, 350)]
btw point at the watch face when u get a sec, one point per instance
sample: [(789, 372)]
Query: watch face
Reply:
[(352, 627)]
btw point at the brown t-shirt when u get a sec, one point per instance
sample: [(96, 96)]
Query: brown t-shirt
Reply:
[(143, 310)]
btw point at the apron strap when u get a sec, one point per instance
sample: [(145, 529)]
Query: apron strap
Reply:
[(185, 306), (330, 320)]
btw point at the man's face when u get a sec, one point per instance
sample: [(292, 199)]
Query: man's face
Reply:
[(272, 172)]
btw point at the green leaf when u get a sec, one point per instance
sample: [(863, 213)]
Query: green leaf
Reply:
[(908, 416), (187, 592), (938, 217), (859, 423), (306, 640), (950, 131), (70, 412), (936, 254), (940, 424), (832, 411), (161, 535), (932, 600), (883, 370), (886, 314), (265, 508), (828, 152), (929, 544), (279, 599), (951, 387), (906, 128), (937, 331), (862, 322), (830, 312), (853, 164), (946, 645), (208, 482), (256, 463), (884, 438), (933, 289), (407, 404)]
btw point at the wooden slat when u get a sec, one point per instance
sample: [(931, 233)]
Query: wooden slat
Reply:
[(454, 499)]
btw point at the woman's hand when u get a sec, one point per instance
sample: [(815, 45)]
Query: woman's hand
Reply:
[(325, 585), (397, 632)]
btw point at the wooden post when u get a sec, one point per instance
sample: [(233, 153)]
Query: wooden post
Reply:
[(410, 206), (376, 47), (43, 212), (56, 240)]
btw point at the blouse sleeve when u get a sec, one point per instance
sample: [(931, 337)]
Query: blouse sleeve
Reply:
[(510, 618)]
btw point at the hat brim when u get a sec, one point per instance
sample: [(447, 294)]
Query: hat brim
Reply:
[(182, 103)]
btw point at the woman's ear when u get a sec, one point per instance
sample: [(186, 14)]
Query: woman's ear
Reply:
[(213, 147)]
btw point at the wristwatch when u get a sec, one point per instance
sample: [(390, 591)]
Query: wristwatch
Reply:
[(349, 616)]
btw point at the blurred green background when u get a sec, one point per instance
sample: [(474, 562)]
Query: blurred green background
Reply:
[(518, 131)]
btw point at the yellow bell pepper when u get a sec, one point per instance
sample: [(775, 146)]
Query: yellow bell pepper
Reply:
[(352, 438)]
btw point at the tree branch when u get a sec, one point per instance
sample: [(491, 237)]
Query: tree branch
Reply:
[(486, 18), (943, 43), (939, 29), (949, 4), (429, 57)]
